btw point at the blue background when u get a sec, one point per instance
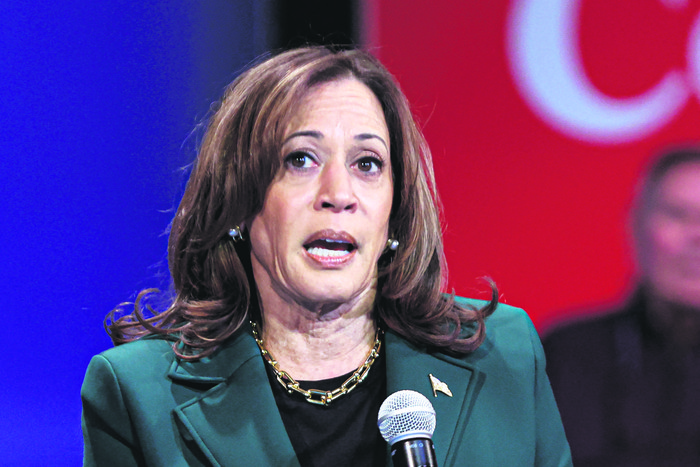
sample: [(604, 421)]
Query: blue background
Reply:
[(100, 104)]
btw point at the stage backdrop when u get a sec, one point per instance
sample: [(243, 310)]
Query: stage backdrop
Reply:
[(541, 115), (99, 104)]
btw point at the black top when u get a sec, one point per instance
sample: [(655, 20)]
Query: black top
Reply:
[(344, 432), (627, 395)]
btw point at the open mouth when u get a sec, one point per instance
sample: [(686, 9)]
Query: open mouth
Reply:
[(329, 248), (330, 244)]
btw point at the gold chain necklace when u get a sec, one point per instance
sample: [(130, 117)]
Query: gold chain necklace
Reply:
[(317, 396)]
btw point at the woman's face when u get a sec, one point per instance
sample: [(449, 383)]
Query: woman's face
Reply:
[(325, 219)]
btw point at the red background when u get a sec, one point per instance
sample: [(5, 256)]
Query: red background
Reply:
[(542, 213)]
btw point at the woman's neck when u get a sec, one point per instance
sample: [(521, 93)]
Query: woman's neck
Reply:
[(314, 343)]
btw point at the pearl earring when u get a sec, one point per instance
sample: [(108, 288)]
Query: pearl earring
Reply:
[(392, 244), (236, 234)]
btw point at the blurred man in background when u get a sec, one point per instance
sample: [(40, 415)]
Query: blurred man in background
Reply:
[(628, 382)]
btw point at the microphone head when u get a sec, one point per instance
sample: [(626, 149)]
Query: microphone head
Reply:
[(406, 414)]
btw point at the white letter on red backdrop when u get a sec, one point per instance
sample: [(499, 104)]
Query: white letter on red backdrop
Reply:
[(547, 67)]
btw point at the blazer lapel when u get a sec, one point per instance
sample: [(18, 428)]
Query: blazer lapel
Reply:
[(236, 421), (409, 367)]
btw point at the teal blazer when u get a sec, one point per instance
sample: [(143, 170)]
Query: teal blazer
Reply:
[(141, 406)]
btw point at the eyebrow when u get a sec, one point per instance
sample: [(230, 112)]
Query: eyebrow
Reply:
[(297, 134), (319, 135), (366, 136)]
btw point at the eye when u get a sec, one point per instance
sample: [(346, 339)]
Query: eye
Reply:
[(299, 160), (369, 165)]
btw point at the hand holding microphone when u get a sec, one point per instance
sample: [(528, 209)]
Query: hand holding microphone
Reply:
[(407, 421)]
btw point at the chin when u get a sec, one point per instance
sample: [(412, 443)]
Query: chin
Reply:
[(685, 298), (332, 296), (692, 301), (334, 293)]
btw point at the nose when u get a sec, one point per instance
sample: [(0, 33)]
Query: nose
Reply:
[(336, 191)]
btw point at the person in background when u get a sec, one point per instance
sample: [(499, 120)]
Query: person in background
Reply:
[(307, 265), (628, 382)]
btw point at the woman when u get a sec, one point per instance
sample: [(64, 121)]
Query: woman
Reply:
[(307, 263)]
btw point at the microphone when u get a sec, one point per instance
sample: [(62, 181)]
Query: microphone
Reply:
[(407, 421)]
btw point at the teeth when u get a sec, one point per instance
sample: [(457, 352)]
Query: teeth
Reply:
[(323, 252)]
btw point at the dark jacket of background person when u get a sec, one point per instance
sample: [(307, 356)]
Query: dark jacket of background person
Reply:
[(627, 396)]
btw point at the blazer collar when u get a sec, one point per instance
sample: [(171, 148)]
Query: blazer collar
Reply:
[(217, 368), (237, 418)]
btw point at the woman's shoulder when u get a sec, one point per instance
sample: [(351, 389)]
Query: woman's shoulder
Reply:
[(139, 356), (510, 334), (118, 375), (506, 318)]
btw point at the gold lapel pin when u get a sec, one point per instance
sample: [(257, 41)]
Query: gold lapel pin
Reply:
[(439, 386)]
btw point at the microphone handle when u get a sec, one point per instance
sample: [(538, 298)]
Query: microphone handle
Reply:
[(415, 452)]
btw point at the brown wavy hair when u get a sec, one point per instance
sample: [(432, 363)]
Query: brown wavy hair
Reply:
[(213, 286)]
